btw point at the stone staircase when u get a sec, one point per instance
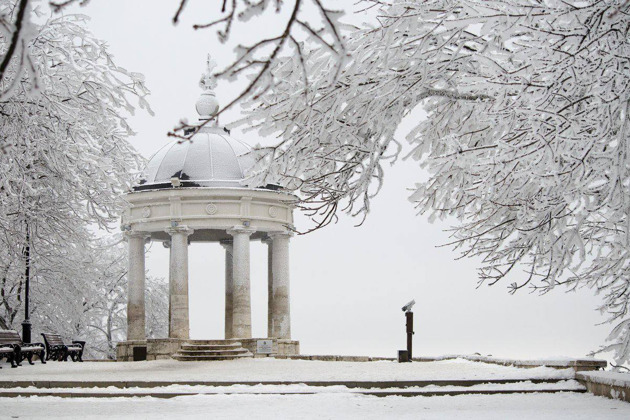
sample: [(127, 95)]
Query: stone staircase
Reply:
[(199, 350), (160, 389)]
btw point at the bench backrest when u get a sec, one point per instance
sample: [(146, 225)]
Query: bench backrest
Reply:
[(53, 339), (10, 337)]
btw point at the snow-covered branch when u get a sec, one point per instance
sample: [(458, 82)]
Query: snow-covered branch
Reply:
[(526, 139), (255, 60)]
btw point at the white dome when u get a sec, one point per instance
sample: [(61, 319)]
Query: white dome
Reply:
[(210, 159)]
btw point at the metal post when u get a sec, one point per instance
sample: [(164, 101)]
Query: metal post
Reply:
[(409, 317), (26, 324)]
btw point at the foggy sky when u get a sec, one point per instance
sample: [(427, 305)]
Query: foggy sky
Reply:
[(348, 283)]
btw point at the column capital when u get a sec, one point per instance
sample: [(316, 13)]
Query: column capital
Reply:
[(180, 229), (135, 234), (238, 229), (226, 243), (280, 234)]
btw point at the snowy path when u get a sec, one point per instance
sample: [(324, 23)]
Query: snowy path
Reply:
[(323, 406), (274, 370), (299, 401)]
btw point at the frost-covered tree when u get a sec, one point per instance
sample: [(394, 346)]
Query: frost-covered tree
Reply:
[(16, 31), (293, 20), (526, 139), (64, 162), (86, 298)]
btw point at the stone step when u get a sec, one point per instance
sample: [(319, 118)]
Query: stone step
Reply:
[(185, 358), (210, 346), (398, 392), (378, 384), (213, 342), (200, 350), (223, 352)]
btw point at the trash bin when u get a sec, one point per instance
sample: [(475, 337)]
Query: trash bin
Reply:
[(403, 356)]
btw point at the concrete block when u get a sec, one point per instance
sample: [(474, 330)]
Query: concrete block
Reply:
[(326, 358), (606, 384), (163, 346), (354, 358), (121, 351), (288, 347)]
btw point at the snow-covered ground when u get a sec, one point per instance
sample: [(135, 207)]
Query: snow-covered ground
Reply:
[(275, 370), (322, 406), (302, 401)]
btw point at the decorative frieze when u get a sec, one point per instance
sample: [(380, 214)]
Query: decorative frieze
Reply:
[(211, 209)]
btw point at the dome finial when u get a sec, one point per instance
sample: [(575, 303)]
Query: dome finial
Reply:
[(207, 105), (208, 81)]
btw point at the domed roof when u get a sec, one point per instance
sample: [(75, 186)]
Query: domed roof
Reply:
[(211, 158)]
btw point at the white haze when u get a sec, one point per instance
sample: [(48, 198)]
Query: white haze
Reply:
[(348, 283)]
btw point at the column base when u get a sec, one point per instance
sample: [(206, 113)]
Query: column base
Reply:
[(279, 347), (288, 347), (131, 351), (165, 348), (153, 348)]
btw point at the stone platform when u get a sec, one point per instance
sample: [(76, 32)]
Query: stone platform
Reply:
[(165, 348)]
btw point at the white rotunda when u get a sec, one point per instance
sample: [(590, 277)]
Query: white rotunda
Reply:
[(193, 191)]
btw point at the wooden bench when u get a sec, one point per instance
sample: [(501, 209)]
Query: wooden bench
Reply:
[(56, 349), (10, 339), (8, 351)]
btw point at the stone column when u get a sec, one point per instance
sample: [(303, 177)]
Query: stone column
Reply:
[(241, 298), (135, 286), (280, 307), (229, 287), (268, 241), (178, 325)]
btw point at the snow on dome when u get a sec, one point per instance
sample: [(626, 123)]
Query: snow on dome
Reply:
[(210, 159)]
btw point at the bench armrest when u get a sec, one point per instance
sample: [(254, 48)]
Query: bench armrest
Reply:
[(34, 345), (56, 346), (10, 346), (79, 342)]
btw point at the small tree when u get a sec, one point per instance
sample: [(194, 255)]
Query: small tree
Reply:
[(87, 298)]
